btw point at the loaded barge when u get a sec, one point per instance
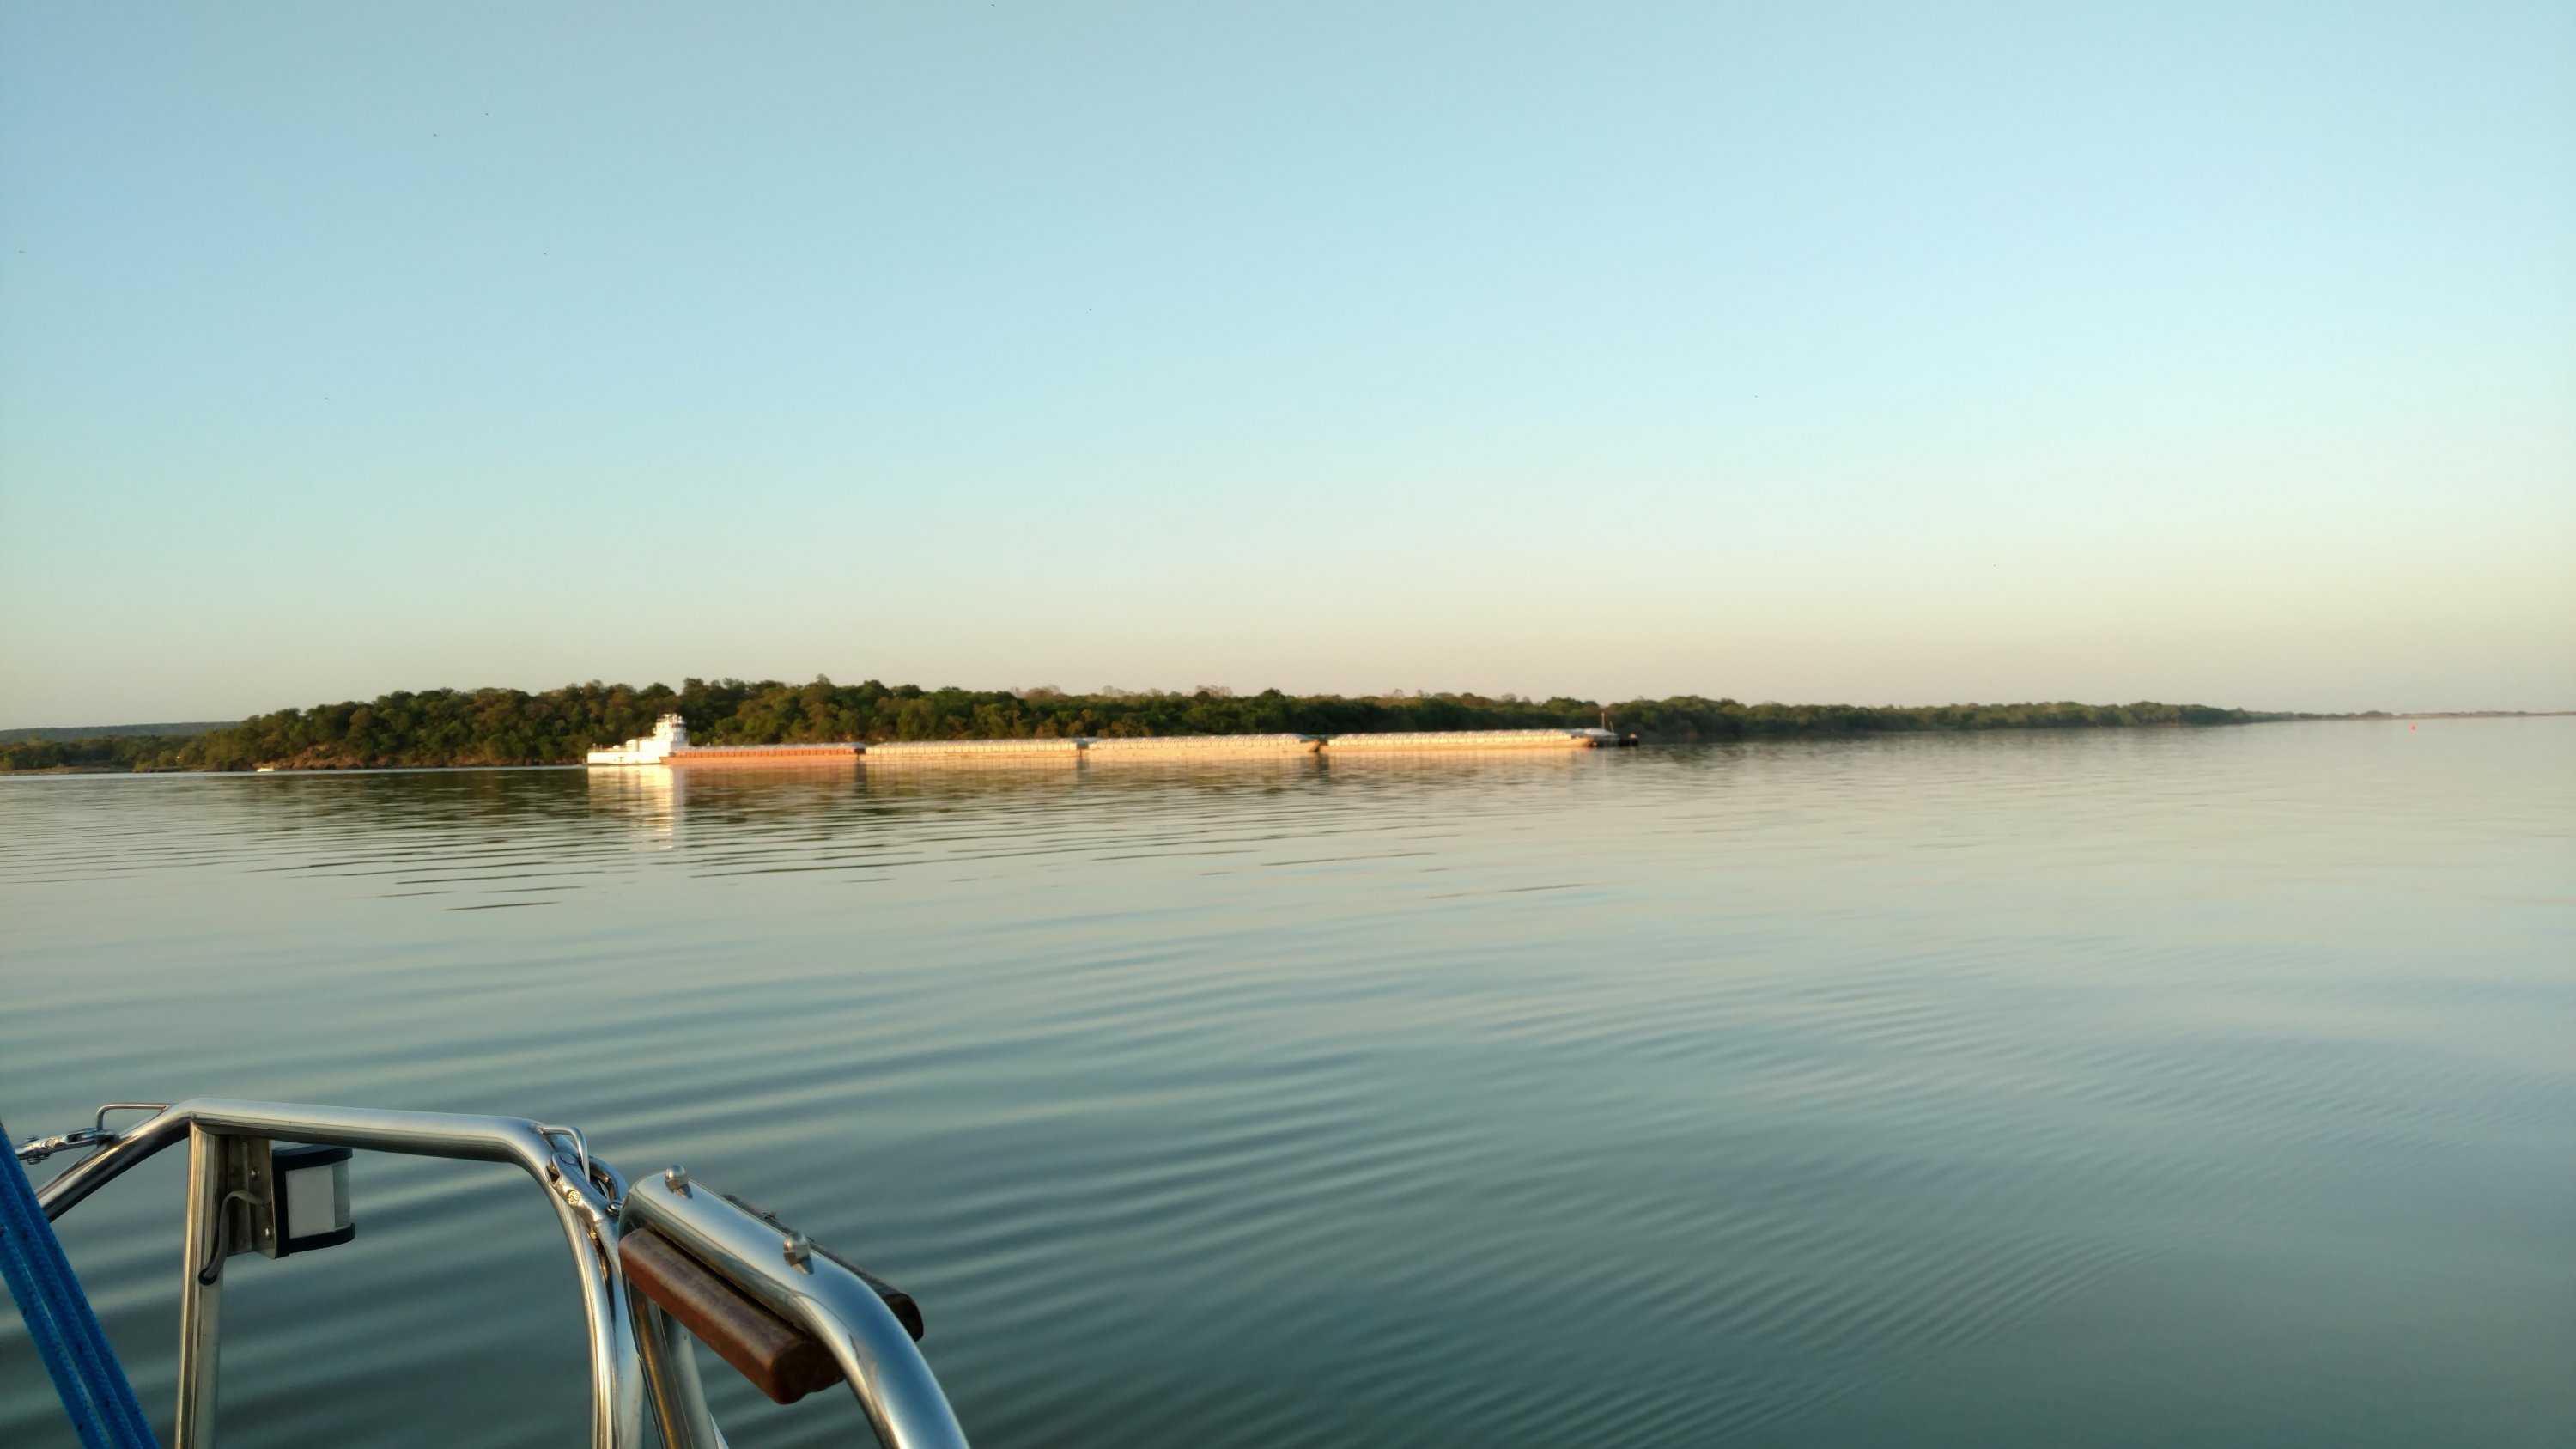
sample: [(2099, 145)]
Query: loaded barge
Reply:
[(669, 745)]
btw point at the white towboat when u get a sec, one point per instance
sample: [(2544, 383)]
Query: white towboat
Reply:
[(670, 736)]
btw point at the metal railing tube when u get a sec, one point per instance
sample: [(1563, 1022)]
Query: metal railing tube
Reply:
[(589, 1227), (136, 1144), (893, 1383), (671, 1384)]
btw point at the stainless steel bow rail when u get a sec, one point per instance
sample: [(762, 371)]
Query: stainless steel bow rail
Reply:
[(660, 1263)]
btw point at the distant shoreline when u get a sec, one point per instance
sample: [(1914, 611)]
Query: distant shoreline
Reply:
[(2446, 714), (499, 727), (856, 761), (64, 734)]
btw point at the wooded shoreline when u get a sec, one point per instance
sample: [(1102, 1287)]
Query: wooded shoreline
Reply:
[(442, 727)]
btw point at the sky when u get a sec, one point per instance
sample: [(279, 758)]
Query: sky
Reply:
[(1883, 354)]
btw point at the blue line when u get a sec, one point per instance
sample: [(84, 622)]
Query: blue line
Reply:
[(83, 1366)]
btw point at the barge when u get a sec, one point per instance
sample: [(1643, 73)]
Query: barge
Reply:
[(1472, 740), (901, 752), (668, 745), (1196, 747), (834, 753)]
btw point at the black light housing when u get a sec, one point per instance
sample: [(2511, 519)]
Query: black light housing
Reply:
[(311, 1197)]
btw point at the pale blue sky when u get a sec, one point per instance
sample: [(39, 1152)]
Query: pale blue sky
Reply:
[(1865, 353)]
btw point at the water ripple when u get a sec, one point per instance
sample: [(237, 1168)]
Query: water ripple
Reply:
[(1890, 1091)]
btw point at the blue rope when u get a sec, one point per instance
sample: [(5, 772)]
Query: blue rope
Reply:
[(84, 1368)]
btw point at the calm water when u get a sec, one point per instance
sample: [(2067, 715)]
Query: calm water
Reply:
[(2118, 1088)]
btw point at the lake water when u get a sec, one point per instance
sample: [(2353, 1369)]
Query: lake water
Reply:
[(2153, 1087)]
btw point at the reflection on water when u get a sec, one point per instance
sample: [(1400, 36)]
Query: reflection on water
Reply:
[(2104, 1088)]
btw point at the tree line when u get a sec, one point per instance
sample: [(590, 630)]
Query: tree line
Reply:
[(513, 727), (96, 752)]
